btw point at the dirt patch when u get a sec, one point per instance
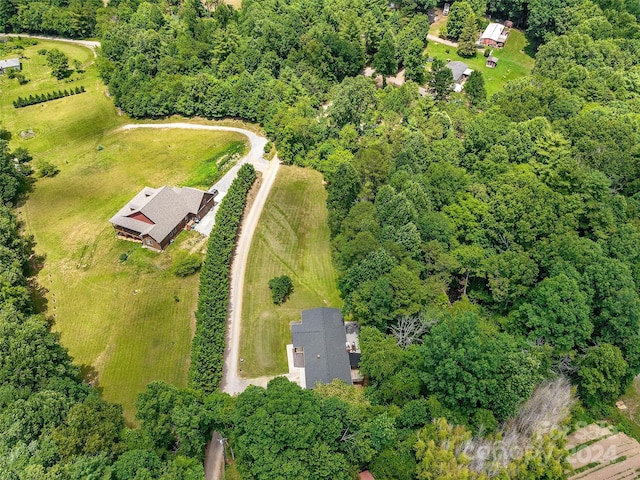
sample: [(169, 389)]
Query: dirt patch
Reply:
[(602, 454), (251, 196), (587, 434)]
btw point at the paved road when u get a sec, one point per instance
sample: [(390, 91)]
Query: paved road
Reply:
[(254, 157), (85, 43)]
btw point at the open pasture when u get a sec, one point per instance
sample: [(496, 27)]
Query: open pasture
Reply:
[(292, 238)]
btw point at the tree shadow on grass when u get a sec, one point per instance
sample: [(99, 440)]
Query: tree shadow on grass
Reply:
[(39, 298), (91, 376), (27, 187)]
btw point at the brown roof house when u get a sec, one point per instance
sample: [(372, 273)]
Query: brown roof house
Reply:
[(155, 216)]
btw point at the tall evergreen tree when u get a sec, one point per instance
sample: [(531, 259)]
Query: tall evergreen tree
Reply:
[(475, 89), (414, 61), (468, 38), (440, 79), (384, 60)]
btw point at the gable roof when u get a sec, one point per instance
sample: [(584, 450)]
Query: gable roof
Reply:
[(493, 31), (164, 207), (457, 69), (10, 62), (322, 336)]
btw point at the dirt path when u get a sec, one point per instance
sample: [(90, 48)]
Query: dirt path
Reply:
[(85, 43), (231, 381), (214, 458), (433, 38)]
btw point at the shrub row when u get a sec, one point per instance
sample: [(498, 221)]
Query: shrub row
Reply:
[(40, 98), (207, 349)]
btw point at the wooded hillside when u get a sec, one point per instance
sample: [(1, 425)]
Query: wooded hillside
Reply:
[(488, 247)]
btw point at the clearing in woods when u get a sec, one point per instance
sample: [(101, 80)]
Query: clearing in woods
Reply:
[(513, 60), (126, 323), (292, 238)]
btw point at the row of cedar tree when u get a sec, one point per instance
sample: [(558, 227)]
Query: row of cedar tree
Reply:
[(213, 300), (45, 97)]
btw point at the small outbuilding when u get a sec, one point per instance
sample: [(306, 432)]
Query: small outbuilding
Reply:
[(494, 35), (492, 62), (10, 64)]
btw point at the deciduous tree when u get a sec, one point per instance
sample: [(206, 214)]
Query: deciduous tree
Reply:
[(459, 12), (59, 63)]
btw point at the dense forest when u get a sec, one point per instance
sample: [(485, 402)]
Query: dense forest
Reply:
[(488, 247)]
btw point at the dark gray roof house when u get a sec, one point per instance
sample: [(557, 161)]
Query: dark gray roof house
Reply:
[(156, 215), (457, 69), (321, 340)]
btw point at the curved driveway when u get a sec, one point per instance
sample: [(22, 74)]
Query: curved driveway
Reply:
[(231, 381), (85, 43)]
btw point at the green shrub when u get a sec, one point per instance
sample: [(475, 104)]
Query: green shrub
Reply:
[(281, 287), (185, 264), (46, 169)]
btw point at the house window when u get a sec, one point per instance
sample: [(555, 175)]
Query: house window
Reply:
[(149, 242)]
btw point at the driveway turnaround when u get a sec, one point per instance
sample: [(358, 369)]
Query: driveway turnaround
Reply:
[(255, 157)]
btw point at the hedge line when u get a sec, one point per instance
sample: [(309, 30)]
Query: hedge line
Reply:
[(207, 348), (40, 98)]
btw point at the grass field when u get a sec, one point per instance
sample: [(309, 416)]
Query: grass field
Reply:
[(292, 238), (126, 323), (513, 63)]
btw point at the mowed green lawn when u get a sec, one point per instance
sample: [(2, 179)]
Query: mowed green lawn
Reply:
[(130, 323), (513, 62), (292, 238)]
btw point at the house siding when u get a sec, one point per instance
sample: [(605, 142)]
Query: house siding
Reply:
[(149, 242)]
